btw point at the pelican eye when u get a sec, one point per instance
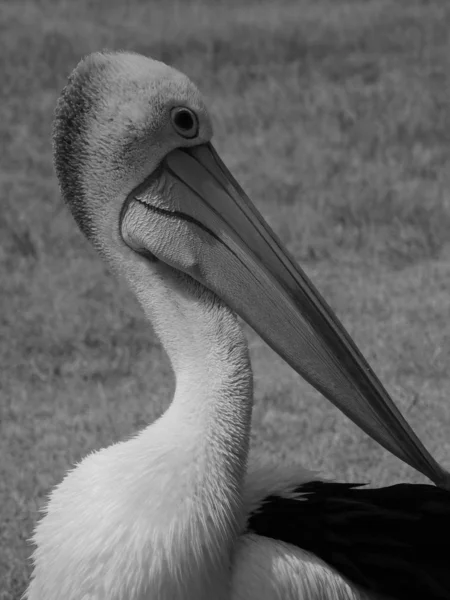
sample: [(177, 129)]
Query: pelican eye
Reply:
[(185, 122)]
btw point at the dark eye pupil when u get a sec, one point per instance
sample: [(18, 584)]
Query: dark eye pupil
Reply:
[(183, 119)]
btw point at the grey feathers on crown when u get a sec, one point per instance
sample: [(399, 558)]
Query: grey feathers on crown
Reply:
[(75, 107)]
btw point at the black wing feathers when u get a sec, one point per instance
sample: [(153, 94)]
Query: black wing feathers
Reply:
[(393, 540)]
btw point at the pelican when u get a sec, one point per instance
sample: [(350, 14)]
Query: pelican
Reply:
[(181, 511)]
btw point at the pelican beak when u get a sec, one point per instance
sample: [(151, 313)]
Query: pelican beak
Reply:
[(248, 267)]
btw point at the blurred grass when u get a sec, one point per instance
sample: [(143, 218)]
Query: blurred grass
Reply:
[(335, 118)]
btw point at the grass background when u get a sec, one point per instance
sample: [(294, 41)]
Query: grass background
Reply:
[(335, 117)]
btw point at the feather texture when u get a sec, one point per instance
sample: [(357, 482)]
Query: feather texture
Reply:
[(393, 540)]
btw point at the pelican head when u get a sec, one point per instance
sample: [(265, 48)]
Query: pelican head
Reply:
[(136, 166), (117, 119)]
